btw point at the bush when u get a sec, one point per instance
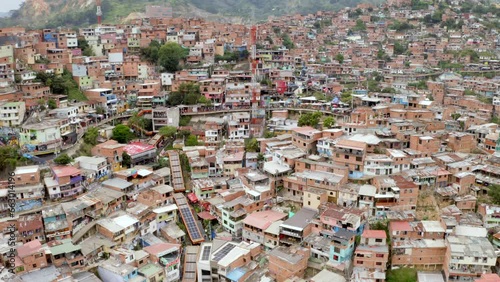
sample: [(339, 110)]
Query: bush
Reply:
[(63, 159)]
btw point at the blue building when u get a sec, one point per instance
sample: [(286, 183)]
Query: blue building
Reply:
[(341, 246)]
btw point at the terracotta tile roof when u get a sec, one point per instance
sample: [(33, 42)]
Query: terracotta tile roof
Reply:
[(29, 248), (377, 234)]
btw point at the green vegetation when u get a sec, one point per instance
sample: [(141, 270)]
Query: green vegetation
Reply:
[(449, 65), (187, 94), (402, 275), (400, 48), (328, 122), (401, 26), (191, 140), (168, 131), (269, 134), (233, 56), (382, 55), (473, 55), (495, 119), (63, 159), (346, 97), (435, 18), (421, 84), (138, 122), (115, 11), (90, 136), (252, 145), (452, 24), (170, 56), (360, 26), (419, 4), (122, 134), (126, 160), (52, 104), (86, 49), (63, 84), (9, 158), (310, 119), (287, 42), (184, 120), (340, 58)]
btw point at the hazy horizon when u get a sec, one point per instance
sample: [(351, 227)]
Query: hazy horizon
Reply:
[(10, 5)]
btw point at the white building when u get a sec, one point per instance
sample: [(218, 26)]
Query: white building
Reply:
[(94, 167), (12, 113)]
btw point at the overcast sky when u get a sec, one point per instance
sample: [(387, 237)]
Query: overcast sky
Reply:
[(8, 5)]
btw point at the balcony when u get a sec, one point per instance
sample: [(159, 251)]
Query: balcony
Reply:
[(468, 269), (76, 179), (291, 233)]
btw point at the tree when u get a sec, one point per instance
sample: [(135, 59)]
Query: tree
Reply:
[(269, 134), (126, 160), (100, 110), (252, 145), (494, 193), (328, 122), (360, 25), (187, 94), (309, 119), (90, 137), (85, 47), (287, 42), (184, 120), (170, 56), (399, 48), (9, 156), (122, 134), (151, 53), (168, 131), (63, 159), (191, 140), (339, 58), (346, 97), (138, 122), (455, 116), (52, 104)]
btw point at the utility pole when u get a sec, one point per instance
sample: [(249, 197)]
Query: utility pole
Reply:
[(253, 111)]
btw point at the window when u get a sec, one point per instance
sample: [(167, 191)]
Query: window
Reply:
[(378, 263)]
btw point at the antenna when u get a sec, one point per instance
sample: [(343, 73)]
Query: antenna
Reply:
[(99, 12)]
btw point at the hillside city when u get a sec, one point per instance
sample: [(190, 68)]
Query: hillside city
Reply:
[(354, 145)]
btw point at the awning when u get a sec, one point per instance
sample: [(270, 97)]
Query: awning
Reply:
[(192, 197), (206, 215)]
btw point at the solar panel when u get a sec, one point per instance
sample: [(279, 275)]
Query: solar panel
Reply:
[(223, 252), (190, 223), (206, 253)]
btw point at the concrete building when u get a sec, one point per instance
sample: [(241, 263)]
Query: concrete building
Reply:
[(469, 254), (66, 182), (256, 224), (285, 263), (296, 228), (306, 138), (12, 113)]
